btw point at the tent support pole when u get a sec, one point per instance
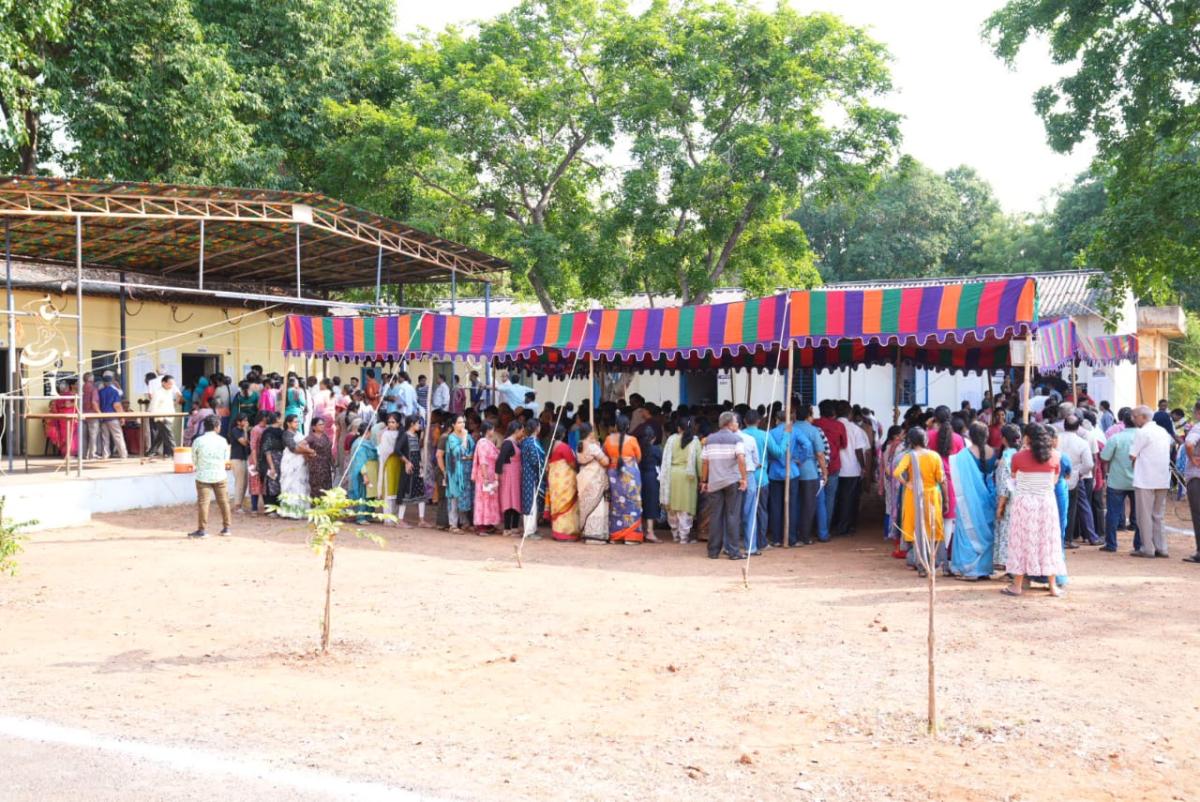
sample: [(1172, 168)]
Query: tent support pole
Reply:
[(1028, 375), (78, 346), (787, 462), (490, 398), (896, 389), (14, 374)]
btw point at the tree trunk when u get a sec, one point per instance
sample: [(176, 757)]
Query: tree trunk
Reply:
[(328, 594), (539, 289), (28, 151)]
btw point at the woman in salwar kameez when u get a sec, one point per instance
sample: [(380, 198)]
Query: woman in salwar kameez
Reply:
[(678, 490), (533, 488), (460, 493), (924, 496), (487, 482), (391, 466), (509, 465), (270, 459), (412, 479), (360, 470), (1010, 435), (563, 490), (592, 484), (624, 485)]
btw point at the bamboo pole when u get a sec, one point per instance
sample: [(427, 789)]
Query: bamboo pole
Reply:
[(1025, 387), (896, 388), (787, 463), (1074, 388)]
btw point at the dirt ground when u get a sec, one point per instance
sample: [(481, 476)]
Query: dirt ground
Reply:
[(609, 672)]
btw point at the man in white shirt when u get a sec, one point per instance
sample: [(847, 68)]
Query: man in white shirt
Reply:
[(441, 394), (854, 460), (1151, 454), (164, 400), (512, 393), (406, 399), (1081, 523)]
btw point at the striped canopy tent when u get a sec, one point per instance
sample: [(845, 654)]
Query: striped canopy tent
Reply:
[(1060, 343), (954, 327)]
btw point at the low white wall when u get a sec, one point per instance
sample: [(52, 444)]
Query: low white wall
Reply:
[(59, 502)]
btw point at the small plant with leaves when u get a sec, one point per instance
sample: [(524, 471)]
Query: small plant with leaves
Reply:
[(327, 514), (12, 541)]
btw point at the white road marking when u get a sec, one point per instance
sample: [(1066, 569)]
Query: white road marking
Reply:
[(202, 762)]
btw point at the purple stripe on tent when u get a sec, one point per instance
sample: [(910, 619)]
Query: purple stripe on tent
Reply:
[(853, 320), (539, 331), (1010, 296), (306, 333), (715, 336), (654, 321), (593, 330), (391, 334), (347, 324), (489, 336), (439, 334), (931, 305)]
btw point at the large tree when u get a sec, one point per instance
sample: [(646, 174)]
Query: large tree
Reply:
[(177, 90), (734, 113), (1133, 86)]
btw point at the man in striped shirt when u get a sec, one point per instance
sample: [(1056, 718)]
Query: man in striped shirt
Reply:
[(723, 480)]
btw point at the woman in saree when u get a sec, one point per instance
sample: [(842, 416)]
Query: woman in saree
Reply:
[(390, 465), (624, 485), (509, 465), (1010, 435), (293, 471), (975, 500), (922, 521), (460, 494), (562, 489), (487, 482), (592, 484), (533, 489), (256, 478), (412, 480), (320, 462), (678, 491)]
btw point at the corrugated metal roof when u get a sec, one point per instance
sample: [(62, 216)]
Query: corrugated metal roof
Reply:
[(1063, 293)]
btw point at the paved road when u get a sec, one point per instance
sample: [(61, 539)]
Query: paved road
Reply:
[(42, 762)]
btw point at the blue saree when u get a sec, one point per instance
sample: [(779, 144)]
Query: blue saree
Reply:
[(973, 548)]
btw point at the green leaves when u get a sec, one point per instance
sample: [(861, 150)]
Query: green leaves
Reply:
[(12, 541), (1134, 89)]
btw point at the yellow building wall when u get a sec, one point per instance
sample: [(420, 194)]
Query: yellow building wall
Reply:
[(158, 334)]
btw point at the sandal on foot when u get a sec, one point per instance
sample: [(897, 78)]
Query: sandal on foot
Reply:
[(1008, 591)]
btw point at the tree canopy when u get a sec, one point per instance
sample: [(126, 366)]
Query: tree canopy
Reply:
[(1134, 89)]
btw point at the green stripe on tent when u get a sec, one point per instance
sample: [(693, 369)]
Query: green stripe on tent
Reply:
[(624, 324), (564, 330), (466, 332), (369, 335), (750, 320), (968, 306), (687, 326), (889, 318), (816, 313), (327, 327), (514, 332), (845, 350)]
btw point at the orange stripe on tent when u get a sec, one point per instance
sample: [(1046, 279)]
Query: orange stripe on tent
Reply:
[(733, 323), (801, 324), (451, 336), (553, 327), (1025, 304), (948, 311), (670, 327), (872, 319), (608, 329)]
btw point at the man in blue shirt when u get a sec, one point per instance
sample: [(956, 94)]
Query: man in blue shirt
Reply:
[(112, 439), (812, 474), (778, 473), (754, 502)]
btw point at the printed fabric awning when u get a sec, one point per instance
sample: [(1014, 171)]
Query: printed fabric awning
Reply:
[(1059, 342), (981, 315)]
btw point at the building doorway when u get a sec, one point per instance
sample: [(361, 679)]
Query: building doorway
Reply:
[(699, 388), (196, 365)]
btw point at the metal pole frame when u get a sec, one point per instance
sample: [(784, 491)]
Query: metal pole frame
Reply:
[(453, 291), (78, 345), (13, 371), (299, 292), (787, 462), (487, 377), (201, 263), (1025, 387), (378, 274), (122, 365)]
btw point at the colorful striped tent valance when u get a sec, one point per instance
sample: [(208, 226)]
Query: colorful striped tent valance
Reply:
[(1059, 342), (977, 314)]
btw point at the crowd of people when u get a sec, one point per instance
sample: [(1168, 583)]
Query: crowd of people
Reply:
[(976, 490)]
